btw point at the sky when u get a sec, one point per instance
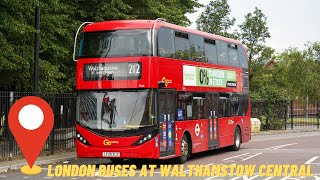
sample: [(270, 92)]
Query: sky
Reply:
[(292, 23)]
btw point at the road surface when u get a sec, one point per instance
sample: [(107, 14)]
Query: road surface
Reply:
[(297, 148)]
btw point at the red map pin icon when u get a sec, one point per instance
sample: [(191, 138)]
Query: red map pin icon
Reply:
[(31, 121)]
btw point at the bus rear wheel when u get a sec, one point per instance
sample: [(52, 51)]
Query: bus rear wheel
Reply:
[(184, 150), (117, 160), (237, 140)]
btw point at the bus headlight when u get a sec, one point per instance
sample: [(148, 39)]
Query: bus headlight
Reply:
[(82, 139), (146, 137)]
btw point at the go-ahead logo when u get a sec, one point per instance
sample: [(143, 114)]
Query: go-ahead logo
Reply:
[(106, 142), (166, 81)]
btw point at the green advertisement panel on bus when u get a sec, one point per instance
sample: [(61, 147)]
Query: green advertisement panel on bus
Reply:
[(199, 76)]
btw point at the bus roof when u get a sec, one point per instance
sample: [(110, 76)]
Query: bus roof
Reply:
[(148, 24)]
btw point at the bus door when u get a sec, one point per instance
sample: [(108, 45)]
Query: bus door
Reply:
[(212, 100), (166, 116)]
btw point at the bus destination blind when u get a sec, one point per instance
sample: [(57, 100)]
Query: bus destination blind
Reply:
[(112, 71)]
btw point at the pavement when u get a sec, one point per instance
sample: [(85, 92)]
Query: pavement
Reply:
[(7, 166), (288, 131)]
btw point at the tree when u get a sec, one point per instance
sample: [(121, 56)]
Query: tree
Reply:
[(17, 39), (254, 32), (270, 84), (215, 18), (302, 72), (294, 75), (172, 10), (266, 54), (59, 22), (313, 51)]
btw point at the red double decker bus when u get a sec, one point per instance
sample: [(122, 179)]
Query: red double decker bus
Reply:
[(155, 90)]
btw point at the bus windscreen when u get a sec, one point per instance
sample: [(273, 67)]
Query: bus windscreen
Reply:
[(115, 43), (115, 110)]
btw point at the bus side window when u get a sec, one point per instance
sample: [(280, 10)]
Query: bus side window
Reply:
[(233, 55), (234, 105), (243, 58), (184, 105), (182, 46), (224, 105), (162, 106), (165, 43), (198, 106), (222, 48), (147, 117), (244, 100), (192, 105), (196, 50), (210, 50)]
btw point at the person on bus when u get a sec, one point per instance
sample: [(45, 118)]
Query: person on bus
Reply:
[(108, 110)]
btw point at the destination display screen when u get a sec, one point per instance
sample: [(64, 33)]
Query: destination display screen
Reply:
[(112, 71)]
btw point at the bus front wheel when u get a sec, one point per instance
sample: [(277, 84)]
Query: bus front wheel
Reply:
[(184, 150)]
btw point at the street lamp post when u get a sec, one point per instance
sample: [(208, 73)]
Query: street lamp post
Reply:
[(36, 50)]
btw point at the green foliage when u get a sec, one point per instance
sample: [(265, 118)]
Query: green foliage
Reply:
[(301, 69), (101, 10), (17, 38), (254, 32), (269, 84), (295, 75), (59, 21), (15, 30), (265, 82), (215, 18), (271, 113), (266, 54), (313, 51)]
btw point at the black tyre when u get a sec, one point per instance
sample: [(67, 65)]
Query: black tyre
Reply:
[(184, 150), (117, 160), (237, 140)]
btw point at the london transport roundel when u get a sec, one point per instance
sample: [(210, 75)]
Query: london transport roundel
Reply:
[(197, 129)]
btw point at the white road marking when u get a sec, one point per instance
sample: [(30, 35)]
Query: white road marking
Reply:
[(286, 137), (242, 157), (268, 178), (250, 178), (234, 156), (311, 161), (235, 178), (281, 146), (251, 156), (214, 177), (277, 149)]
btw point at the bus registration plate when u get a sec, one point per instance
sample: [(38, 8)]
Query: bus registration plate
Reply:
[(111, 154)]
